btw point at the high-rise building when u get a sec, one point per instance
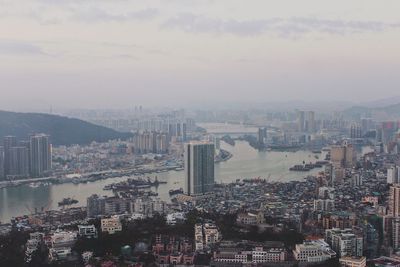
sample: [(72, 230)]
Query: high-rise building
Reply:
[(262, 136), (8, 143), (394, 200), (19, 161), (393, 175), (345, 242), (395, 234), (40, 154), (311, 125), (150, 142), (184, 132), (300, 120), (199, 168), (355, 131), (343, 155), (2, 175)]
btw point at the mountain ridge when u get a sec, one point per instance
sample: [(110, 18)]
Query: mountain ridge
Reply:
[(391, 111), (62, 130)]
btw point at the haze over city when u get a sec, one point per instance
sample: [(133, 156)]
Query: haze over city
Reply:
[(221, 133), (110, 54)]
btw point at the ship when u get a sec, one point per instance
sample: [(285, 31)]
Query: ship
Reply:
[(299, 168), (175, 191), (67, 202), (315, 151)]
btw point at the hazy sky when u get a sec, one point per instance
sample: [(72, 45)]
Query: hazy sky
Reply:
[(119, 53)]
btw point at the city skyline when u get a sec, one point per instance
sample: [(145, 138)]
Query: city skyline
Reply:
[(223, 133), (99, 54)]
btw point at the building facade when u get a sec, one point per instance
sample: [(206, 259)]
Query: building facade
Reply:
[(199, 168)]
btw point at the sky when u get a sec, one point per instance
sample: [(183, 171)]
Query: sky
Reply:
[(121, 53)]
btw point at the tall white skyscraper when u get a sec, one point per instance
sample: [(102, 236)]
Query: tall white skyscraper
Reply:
[(199, 168)]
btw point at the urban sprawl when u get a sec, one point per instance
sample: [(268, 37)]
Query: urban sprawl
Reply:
[(348, 214)]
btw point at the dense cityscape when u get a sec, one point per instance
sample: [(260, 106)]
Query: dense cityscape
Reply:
[(198, 133), (347, 213)]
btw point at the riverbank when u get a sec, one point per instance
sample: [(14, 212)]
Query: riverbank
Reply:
[(245, 162)]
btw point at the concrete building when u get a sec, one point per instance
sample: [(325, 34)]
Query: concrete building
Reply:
[(353, 261), (248, 253), (199, 168), (324, 205), (63, 239), (262, 136), (311, 125), (87, 231), (95, 206), (316, 251), (40, 155), (8, 143), (206, 235), (150, 142), (249, 218), (355, 131), (111, 225), (344, 242), (18, 162), (386, 262), (2, 173), (393, 175), (394, 200), (300, 121), (343, 155)]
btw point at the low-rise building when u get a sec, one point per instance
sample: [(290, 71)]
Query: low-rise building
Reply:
[(87, 231), (313, 251), (345, 242), (206, 235), (353, 262), (247, 252), (111, 225), (248, 218), (386, 262)]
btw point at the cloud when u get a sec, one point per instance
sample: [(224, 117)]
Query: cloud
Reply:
[(100, 15), (283, 27), (11, 47)]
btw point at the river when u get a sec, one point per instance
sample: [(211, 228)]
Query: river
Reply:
[(245, 163)]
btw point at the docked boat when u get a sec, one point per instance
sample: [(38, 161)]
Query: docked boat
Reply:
[(67, 202), (175, 191), (299, 168), (34, 185)]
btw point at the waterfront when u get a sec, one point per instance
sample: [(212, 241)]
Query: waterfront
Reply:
[(245, 163)]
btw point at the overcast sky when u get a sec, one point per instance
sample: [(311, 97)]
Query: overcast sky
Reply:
[(120, 53)]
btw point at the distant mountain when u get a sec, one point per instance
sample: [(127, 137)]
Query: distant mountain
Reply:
[(63, 130), (384, 102), (388, 112)]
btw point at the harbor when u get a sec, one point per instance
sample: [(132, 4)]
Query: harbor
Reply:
[(245, 163)]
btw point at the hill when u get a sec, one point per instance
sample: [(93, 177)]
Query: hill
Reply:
[(389, 112), (63, 130)]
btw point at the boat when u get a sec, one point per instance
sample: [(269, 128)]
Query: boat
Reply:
[(34, 185), (299, 168), (67, 202), (175, 191)]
